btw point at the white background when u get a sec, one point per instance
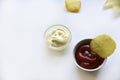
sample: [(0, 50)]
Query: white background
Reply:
[(23, 54)]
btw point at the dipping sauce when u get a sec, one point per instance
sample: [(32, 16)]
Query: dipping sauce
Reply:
[(87, 58), (57, 37)]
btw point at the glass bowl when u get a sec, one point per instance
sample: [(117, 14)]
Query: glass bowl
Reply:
[(57, 37)]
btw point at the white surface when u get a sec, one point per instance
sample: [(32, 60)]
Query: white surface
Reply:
[(23, 54)]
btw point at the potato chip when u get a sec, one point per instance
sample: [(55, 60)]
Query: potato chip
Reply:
[(103, 45), (73, 5), (115, 4)]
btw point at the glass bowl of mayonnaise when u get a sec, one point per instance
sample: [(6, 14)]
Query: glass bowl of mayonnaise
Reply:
[(57, 37)]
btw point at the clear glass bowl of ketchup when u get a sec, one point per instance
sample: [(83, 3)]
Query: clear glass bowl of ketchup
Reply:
[(85, 58)]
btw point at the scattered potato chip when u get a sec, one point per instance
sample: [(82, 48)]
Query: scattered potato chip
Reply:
[(116, 9), (73, 5), (103, 45), (108, 4), (115, 4)]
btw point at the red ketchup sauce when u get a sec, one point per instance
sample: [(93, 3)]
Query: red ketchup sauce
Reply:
[(86, 58)]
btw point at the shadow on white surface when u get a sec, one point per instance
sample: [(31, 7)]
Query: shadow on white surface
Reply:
[(84, 75), (116, 15), (56, 53)]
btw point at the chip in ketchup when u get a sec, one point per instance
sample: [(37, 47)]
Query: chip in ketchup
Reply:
[(85, 57)]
